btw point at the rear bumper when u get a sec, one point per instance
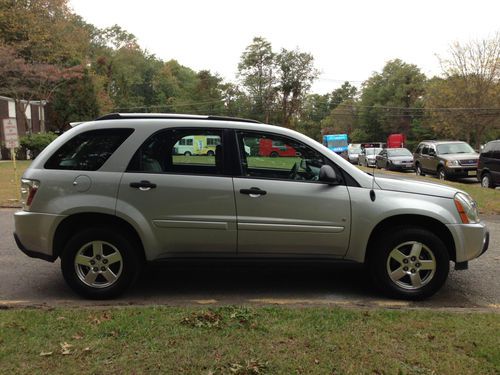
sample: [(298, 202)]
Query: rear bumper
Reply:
[(32, 253), (471, 240), (34, 233)]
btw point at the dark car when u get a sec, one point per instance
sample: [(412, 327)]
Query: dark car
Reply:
[(446, 159), (395, 159), (488, 168)]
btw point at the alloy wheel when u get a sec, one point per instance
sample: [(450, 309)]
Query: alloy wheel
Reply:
[(411, 265), (98, 264)]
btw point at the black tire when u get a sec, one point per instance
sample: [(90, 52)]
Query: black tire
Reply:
[(131, 262), (274, 154), (210, 153), (486, 181), (441, 174), (418, 170), (396, 238), (187, 153)]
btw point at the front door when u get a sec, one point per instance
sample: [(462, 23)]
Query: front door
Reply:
[(283, 208), (184, 199)]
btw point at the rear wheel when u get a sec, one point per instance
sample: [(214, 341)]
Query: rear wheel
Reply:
[(418, 170), (486, 181), (410, 263), (274, 154), (100, 263), (210, 153), (187, 153)]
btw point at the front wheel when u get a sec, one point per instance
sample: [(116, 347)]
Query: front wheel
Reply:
[(441, 173), (100, 263), (409, 263)]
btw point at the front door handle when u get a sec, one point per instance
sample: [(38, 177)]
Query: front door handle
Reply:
[(253, 192), (143, 185)]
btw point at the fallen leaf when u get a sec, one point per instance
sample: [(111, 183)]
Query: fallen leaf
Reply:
[(60, 318), (46, 354), (65, 348), (77, 336)]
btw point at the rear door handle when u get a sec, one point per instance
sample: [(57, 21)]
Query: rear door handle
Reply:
[(253, 192), (143, 185)]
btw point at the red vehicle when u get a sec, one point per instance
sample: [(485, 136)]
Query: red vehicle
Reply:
[(275, 148), (396, 140)]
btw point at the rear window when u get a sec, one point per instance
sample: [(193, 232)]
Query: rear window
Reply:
[(88, 151)]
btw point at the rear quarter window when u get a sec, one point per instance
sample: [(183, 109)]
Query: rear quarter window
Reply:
[(88, 151)]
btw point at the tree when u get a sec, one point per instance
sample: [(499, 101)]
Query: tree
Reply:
[(343, 93), (389, 99), (343, 119), (75, 101), (296, 75), (257, 72), (26, 82), (465, 102)]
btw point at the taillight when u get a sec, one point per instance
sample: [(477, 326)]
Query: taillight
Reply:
[(28, 191)]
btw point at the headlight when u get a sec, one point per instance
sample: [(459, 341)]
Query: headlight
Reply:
[(452, 163), (467, 208)]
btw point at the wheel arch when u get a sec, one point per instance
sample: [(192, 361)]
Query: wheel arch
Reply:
[(70, 226), (433, 225)]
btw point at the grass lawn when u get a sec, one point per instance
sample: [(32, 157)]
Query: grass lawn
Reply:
[(488, 200), (240, 340), (8, 187)]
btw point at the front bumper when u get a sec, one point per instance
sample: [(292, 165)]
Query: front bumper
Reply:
[(461, 171), (471, 240)]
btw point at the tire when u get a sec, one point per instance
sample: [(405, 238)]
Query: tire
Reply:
[(441, 174), (274, 154), (187, 153), (418, 170), (393, 265), (109, 262), (210, 153), (486, 181)]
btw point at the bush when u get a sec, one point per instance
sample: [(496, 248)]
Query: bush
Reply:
[(35, 143)]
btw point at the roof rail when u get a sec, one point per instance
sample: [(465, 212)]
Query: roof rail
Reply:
[(172, 116)]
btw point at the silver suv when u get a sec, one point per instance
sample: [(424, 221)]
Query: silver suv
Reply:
[(109, 195)]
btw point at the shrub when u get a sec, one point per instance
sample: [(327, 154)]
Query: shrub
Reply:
[(35, 143)]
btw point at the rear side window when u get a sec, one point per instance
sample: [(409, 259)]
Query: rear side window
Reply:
[(181, 151), (88, 151)]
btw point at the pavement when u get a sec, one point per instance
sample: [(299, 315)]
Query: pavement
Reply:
[(32, 282)]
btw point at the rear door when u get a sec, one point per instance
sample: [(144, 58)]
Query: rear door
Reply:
[(186, 200), (283, 208)]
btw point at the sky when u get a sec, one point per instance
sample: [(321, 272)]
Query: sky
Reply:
[(350, 40)]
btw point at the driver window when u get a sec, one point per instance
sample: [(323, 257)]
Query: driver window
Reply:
[(275, 157)]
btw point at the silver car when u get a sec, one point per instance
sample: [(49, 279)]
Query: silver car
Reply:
[(111, 194)]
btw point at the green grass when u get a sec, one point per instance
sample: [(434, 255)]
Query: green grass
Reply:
[(488, 200), (238, 340), (8, 187)]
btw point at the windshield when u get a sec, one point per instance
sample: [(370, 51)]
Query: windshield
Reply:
[(372, 151), (454, 148), (399, 152), (355, 150)]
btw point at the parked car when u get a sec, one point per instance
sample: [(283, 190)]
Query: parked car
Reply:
[(395, 159), (368, 156), (126, 199), (488, 168), (446, 159), (353, 152)]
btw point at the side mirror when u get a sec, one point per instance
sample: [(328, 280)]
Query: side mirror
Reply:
[(327, 174), (432, 153)]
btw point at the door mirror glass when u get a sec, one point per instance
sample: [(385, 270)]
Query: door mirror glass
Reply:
[(432, 152), (327, 174)]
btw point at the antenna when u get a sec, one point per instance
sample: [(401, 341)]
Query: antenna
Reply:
[(372, 192)]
